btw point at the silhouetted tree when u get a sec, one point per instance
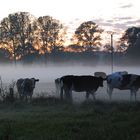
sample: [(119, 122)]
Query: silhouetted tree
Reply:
[(18, 29), (130, 36), (4, 55), (74, 48), (107, 48), (131, 40), (7, 40), (88, 35), (28, 50), (50, 33)]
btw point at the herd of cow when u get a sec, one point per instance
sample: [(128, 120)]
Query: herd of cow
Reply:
[(84, 83), (89, 84)]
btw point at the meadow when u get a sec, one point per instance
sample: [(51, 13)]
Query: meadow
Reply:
[(51, 119), (46, 117)]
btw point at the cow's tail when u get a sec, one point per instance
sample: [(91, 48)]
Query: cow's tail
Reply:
[(107, 88), (61, 88)]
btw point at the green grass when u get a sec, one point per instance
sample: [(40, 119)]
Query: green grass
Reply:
[(51, 119)]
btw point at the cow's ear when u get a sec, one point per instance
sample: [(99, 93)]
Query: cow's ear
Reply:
[(36, 80)]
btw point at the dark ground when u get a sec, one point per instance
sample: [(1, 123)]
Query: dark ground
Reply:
[(51, 119)]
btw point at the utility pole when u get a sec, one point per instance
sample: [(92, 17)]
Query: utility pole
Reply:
[(112, 53), (112, 49), (14, 51)]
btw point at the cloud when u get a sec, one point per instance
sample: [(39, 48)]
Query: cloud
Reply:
[(133, 22), (120, 26), (97, 20), (117, 24), (120, 23), (106, 23), (126, 6), (122, 18)]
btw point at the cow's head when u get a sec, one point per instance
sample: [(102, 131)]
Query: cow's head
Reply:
[(101, 80), (34, 82), (100, 74), (57, 81)]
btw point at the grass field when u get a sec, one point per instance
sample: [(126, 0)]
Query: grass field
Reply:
[(51, 119)]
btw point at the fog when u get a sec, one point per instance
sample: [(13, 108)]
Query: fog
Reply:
[(48, 73), (51, 72)]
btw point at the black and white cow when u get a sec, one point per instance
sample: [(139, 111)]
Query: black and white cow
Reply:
[(25, 87), (84, 83), (123, 81)]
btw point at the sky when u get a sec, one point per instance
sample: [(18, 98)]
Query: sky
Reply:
[(111, 15)]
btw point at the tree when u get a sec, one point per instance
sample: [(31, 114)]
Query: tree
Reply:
[(88, 35), (18, 29), (131, 40), (28, 51), (130, 37), (4, 55), (50, 33), (74, 48), (6, 38)]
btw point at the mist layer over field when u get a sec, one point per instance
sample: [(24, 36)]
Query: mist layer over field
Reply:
[(47, 75), (51, 72)]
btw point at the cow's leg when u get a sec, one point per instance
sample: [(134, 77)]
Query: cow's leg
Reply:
[(57, 89), (135, 94), (93, 94), (131, 94), (30, 97), (68, 94), (61, 93), (110, 91), (26, 98), (87, 94), (133, 91), (21, 97), (90, 92), (21, 94), (108, 88)]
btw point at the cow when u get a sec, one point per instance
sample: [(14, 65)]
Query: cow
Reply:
[(25, 87), (83, 83), (123, 81)]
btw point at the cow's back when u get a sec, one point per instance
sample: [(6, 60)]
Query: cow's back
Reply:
[(81, 83)]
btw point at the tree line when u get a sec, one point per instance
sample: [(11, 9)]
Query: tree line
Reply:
[(25, 37)]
